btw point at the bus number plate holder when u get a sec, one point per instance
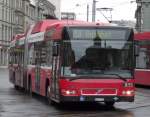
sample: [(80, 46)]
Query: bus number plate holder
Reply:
[(99, 99)]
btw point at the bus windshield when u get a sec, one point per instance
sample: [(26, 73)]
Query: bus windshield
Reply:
[(97, 51)]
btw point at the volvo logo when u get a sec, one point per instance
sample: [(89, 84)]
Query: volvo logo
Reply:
[(99, 91)]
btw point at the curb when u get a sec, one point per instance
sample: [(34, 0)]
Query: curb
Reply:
[(3, 67)]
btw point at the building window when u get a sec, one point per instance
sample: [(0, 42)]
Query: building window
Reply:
[(14, 3), (7, 11), (5, 38), (13, 17), (10, 16), (0, 33), (27, 10), (1, 1), (3, 13), (8, 3), (5, 2), (0, 12)]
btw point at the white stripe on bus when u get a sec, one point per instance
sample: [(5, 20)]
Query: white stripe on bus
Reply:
[(32, 38), (142, 69)]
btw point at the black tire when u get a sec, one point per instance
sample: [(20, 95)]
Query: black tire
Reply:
[(16, 87), (109, 103), (30, 87), (48, 97)]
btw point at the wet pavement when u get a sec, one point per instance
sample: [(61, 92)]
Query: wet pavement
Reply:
[(19, 104)]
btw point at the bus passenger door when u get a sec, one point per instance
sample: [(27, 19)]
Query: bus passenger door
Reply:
[(37, 68), (19, 67), (55, 71)]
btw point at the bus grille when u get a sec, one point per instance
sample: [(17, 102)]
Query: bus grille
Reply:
[(102, 91)]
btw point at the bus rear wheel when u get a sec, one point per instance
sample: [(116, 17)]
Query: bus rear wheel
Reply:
[(29, 90), (16, 87), (50, 101)]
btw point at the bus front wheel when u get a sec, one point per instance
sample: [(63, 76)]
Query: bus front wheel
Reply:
[(50, 101), (109, 103)]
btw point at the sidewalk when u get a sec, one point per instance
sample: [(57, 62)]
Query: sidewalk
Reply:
[(3, 67)]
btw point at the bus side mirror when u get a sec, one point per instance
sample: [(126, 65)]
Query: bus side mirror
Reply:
[(137, 50), (55, 50)]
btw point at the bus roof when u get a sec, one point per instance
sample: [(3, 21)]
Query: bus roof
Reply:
[(53, 28), (142, 36), (44, 24)]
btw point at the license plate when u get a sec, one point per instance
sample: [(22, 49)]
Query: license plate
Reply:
[(99, 99)]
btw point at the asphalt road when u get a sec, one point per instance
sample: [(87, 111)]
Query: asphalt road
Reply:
[(19, 104)]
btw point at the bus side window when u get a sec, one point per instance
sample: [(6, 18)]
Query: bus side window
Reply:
[(46, 54), (37, 53), (15, 59), (49, 46), (10, 57), (31, 55), (42, 53)]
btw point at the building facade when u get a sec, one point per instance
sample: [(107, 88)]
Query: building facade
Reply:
[(7, 26), (15, 17), (142, 15), (57, 4)]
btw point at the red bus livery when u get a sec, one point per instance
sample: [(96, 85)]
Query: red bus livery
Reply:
[(73, 61), (142, 71)]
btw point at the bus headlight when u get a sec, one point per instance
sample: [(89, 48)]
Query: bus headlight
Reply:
[(128, 92), (128, 84), (69, 92)]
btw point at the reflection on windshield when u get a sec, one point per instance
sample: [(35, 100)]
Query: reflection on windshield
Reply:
[(82, 58), (96, 57)]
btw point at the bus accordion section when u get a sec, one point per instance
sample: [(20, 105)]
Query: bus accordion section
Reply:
[(75, 61), (142, 71)]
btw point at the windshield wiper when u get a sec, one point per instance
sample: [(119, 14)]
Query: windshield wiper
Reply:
[(120, 77), (76, 78)]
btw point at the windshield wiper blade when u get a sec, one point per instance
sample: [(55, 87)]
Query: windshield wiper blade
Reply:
[(120, 77), (76, 78)]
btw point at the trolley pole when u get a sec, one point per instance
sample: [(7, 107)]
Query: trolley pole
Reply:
[(94, 10), (109, 19), (87, 12)]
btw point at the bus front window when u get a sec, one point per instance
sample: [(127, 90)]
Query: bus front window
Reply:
[(92, 57)]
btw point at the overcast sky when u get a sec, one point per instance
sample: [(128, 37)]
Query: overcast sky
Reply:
[(122, 9)]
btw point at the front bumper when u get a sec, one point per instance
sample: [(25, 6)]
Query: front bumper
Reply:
[(96, 98)]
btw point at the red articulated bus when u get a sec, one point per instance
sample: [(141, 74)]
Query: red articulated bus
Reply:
[(74, 61), (142, 71)]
